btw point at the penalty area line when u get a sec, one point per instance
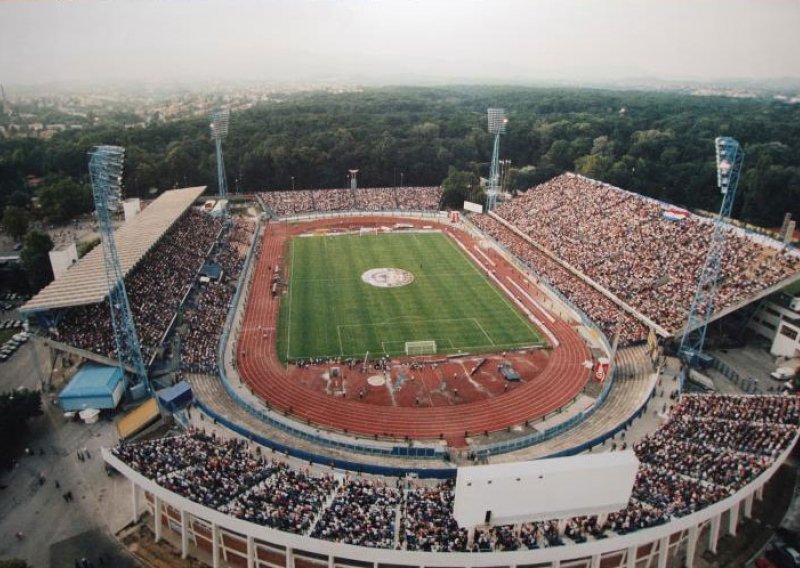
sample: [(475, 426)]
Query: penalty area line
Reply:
[(483, 330)]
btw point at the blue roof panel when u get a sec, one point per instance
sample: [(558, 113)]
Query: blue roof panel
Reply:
[(93, 380)]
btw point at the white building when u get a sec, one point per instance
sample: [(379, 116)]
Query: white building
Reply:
[(777, 319)]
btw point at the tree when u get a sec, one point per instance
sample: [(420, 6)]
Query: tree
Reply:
[(14, 563), (657, 144), (36, 261), (84, 247), (15, 222), (16, 408), (459, 186), (593, 165), (20, 198), (62, 198)]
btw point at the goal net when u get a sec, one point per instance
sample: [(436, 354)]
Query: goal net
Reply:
[(427, 347), (367, 231)]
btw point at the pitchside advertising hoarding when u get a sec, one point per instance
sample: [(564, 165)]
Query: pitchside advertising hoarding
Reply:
[(473, 207), (601, 369), (557, 488)]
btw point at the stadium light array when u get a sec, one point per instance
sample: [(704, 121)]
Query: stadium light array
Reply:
[(497, 121), (220, 120), (728, 154)]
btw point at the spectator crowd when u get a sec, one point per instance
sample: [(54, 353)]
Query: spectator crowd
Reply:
[(206, 311), (711, 446), (155, 289), (597, 307), (635, 248), (373, 199)]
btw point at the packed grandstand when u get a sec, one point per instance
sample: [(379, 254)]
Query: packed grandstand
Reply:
[(589, 240), (601, 248), (710, 448), (283, 203), (157, 286), (580, 229)]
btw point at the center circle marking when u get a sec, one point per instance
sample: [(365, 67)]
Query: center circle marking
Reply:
[(376, 381), (387, 277)]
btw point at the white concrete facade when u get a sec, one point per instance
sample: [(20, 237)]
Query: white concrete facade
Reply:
[(248, 544), (778, 320)]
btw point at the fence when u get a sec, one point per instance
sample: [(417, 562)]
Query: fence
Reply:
[(330, 440), (539, 437), (346, 214), (298, 430), (747, 384)]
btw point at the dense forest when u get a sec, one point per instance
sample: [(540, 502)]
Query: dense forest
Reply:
[(658, 144)]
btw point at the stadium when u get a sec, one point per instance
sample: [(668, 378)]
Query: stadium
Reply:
[(357, 355)]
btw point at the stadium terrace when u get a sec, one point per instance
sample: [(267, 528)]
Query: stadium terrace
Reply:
[(578, 279)]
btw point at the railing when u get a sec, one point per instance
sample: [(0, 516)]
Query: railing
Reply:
[(295, 429), (748, 384), (539, 437), (543, 436), (331, 553), (330, 440), (362, 213), (432, 473)]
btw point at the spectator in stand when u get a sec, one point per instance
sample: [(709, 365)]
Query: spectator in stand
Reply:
[(363, 512), (711, 447), (597, 307), (208, 309), (155, 289), (283, 203), (632, 246)]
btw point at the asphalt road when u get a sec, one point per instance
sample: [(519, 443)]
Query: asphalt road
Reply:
[(51, 526)]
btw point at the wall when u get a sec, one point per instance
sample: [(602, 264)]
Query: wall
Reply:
[(61, 260), (329, 553), (541, 490)]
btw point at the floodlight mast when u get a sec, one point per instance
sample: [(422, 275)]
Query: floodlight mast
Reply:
[(730, 157), (105, 171), (220, 120), (497, 126)]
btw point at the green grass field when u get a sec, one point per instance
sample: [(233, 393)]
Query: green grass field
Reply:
[(329, 311)]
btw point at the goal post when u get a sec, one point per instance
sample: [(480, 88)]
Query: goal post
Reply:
[(416, 348), (367, 231)]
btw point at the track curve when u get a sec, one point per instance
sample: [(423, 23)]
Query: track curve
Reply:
[(562, 379)]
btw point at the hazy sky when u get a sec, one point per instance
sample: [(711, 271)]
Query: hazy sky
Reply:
[(397, 40)]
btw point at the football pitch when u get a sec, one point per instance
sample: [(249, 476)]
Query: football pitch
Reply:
[(330, 311)]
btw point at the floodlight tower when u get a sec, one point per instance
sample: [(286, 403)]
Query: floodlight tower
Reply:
[(220, 120), (730, 157), (497, 126), (105, 170)]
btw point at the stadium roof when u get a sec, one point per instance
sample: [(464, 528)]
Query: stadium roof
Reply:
[(92, 380), (85, 282)]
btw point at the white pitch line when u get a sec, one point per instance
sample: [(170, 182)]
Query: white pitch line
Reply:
[(289, 325), (532, 300), (489, 273), (536, 321), (483, 254), (484, 331)]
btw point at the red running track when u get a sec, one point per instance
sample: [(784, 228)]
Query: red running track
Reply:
[(563, 377)]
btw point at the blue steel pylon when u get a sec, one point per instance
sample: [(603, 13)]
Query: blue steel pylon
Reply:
[(105, 170), (730, 157), (220, 120), (497, 126)]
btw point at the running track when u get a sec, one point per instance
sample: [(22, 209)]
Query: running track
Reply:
[(563, 377)]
